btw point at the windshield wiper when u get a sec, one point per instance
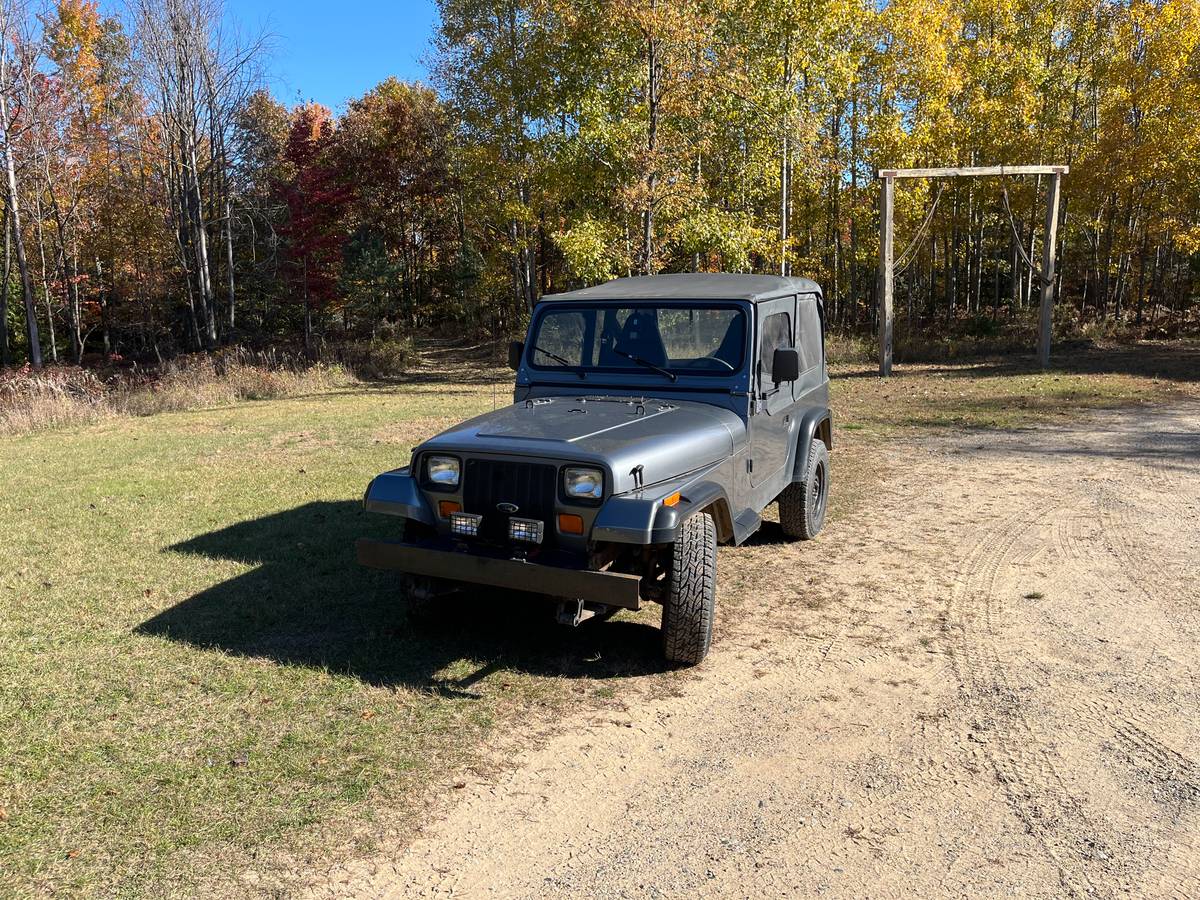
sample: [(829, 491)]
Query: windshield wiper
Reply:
[(646, 363), (564, 362)]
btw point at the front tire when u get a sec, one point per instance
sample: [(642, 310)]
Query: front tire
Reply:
[(687, 618), (802, 504)]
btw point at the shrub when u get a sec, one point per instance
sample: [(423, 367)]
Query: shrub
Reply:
[(848, 349), (377, 359)]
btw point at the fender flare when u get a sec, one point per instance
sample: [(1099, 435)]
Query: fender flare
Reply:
[(697, 498), (396, 493), (816, 422), (646, 520)]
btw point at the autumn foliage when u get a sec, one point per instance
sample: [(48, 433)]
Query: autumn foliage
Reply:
[(167, 204)]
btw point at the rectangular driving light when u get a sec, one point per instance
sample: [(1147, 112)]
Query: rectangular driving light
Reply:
[(529, 530), (465, 524)]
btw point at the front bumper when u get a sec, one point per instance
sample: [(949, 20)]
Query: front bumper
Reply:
[(609, 588)]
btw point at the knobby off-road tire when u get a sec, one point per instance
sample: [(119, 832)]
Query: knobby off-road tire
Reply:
[(802, 504), (687, 618)]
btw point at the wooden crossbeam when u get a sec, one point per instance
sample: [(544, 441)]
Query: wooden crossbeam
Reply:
[(974, 170)]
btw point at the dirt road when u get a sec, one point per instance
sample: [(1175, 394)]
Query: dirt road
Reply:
[(982, 683)]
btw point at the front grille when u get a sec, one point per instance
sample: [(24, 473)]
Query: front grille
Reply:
[(529, 487)]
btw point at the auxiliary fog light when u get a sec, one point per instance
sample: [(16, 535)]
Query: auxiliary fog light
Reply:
[(525, 530), (465, 524)]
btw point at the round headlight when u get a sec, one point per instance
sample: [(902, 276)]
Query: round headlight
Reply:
[(442, 471), (583, 484)]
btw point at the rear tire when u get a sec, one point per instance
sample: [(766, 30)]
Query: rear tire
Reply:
[(687, 618), (802, 504)]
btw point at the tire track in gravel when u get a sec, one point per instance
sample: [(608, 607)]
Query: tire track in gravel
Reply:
[(1094, 529), (1033, 785), (1174, 778), (1172, 781), (1120, 522), (1081, 538)]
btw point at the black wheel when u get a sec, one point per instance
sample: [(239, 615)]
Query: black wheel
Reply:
[(687, 618), (802, 504)]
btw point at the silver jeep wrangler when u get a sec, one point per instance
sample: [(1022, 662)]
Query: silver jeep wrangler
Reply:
[(653, 418)]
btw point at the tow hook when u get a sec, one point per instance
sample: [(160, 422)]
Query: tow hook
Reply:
[(572, 612)]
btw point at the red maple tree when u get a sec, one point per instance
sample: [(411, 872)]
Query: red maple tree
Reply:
[(316, 201)]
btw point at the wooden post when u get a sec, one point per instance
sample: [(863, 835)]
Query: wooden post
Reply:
[(1047, 310), (886, 205)]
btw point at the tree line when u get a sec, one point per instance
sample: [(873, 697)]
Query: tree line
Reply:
[(157, 200)]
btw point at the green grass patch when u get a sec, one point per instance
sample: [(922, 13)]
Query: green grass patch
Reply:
[(1012, 392), (195, 668)]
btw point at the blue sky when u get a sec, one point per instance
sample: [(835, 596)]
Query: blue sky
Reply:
[(334, 51)]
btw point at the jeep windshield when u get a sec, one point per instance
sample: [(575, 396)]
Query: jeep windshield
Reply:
[(655, 339)]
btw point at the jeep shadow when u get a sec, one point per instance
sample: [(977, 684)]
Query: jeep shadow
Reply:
[(307, 602)]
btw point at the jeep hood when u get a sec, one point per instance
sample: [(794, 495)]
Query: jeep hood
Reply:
[(665, 437)]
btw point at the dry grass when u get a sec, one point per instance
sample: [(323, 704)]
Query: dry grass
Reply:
[(67, 396), (208, 383), (35, 401)]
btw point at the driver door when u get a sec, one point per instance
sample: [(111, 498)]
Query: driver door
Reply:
[(770, 425)]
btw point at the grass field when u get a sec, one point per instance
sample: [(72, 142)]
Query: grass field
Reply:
[(202, 691)]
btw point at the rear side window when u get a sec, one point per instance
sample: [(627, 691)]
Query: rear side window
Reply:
[(776, 333), (810, 335)]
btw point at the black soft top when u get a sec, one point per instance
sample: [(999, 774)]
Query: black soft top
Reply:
[(692, 286)]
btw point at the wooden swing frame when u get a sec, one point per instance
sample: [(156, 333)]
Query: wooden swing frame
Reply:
[(886, 258)]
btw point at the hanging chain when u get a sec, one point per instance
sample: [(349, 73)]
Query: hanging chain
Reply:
[(918, 240), (1012, 222)]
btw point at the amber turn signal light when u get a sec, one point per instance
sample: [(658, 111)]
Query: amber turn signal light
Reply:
[(672, 500), (446, 507), (570, 524)]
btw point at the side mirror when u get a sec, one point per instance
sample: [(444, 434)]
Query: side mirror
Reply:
[(516, 350), (785, 365)]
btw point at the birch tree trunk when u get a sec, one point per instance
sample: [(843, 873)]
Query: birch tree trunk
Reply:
[(45, 282), (14, 219), (784, 169), (200, 244), (229, 259), (1017, 277), (783, 206), (4, 293), (854, 281)]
